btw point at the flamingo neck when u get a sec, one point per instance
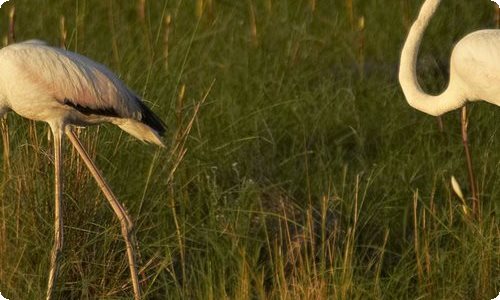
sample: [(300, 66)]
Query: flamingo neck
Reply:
[(416, 97)]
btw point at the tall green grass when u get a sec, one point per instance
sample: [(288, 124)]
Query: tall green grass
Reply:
[(295, 170)]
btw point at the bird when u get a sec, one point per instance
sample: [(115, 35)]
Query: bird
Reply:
[(474, 74), (474, 68), (66, 89)]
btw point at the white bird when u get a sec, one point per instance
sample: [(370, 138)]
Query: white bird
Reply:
[(66, 89), (474, 75), (474, 68)]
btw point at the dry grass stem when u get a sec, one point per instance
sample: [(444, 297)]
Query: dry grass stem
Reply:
[(63, 31), (470, 169), (253, 25), (166, 38), (416, 234), (350, 12), (200, 4), (178, 149), (361, 45), (141, 10)]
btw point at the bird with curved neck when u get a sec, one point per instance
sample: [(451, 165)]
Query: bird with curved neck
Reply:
[(66, 89), (474, 68), (474, 75)]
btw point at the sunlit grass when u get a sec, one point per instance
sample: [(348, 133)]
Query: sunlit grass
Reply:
[(295, 169)]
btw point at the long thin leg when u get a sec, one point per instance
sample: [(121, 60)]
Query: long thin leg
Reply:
[(58, 222), (121, 213), (472, 178)]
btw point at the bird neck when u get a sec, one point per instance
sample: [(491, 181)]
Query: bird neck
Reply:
[(416, 97)]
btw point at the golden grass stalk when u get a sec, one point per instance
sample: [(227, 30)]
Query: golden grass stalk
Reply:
[(198, 10), (178, 111), (426, 252), (6, 145), (179, 150), (253, 24), (4, 128), (421, 245), (141, 10), (244, 288), (11, 37), (468, 156), (378, 272), (166, 38), (350, 12), (312, 5), (420, 269), (361, 45), (177, 154), (63, 32), (349, 247), (6, 173)]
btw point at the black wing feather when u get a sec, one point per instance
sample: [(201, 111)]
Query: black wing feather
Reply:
[(151, 119), (108, 112)]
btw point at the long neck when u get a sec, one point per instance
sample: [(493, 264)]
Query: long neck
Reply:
[(416, 97)]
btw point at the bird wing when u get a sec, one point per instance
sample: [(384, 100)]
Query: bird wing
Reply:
[(75, 80)]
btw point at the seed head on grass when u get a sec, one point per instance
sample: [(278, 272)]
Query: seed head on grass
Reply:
[(458, 191), (166, 38), (141, 10)]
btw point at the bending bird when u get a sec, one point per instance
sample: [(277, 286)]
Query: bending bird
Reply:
[(474, 68), (65, 89)]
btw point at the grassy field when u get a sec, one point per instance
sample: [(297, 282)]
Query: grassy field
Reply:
[(294, 169)]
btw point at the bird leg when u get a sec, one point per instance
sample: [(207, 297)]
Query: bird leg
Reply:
[(58, 222), (472, 178), (119, 210)]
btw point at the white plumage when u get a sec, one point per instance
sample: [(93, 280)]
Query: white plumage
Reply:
[(474, 68), (49, 84), (474, 75)]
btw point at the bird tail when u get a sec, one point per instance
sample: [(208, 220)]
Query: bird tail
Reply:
[(141, 131), (149, 118)]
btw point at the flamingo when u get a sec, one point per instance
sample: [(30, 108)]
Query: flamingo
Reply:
[(474, 73), (65, 89), (474, 68)]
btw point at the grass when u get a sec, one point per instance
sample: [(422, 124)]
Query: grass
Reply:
[(295, 168)]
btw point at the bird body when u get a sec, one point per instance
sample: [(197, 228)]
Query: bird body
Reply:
[(474, 75), (44, 83), (474, 68)]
